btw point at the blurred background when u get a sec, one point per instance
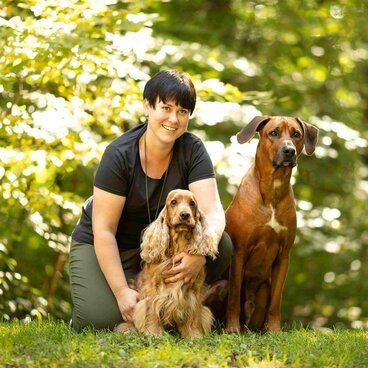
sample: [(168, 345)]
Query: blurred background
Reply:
[(71, 80)]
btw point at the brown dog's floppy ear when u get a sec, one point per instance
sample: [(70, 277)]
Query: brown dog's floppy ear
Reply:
[(250, 129), (310, 136), (156, 240)]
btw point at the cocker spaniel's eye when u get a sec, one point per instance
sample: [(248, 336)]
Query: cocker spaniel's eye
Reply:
[(173, 202), (192, 204)]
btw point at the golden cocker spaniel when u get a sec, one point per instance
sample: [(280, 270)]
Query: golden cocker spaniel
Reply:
[(180, 227)]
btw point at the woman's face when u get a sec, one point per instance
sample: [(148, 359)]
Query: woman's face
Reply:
[(168, 121)]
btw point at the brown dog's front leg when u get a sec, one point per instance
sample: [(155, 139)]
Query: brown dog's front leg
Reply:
[(279, 272), (233, 303)]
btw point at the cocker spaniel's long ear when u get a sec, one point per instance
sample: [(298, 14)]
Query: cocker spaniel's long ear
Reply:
[(156, 240), (205, 240)]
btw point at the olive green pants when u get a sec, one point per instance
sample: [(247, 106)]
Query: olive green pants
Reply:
[(94, 304)]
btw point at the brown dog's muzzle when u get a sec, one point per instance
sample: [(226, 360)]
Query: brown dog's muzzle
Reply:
[(285, 156)]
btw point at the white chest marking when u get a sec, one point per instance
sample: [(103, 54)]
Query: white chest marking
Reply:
[(276, 184), (273, 222)]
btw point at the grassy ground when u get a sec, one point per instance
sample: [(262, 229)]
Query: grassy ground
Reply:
[(54, 344)]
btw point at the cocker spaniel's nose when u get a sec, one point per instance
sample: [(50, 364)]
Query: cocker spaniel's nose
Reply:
[(184, 215)]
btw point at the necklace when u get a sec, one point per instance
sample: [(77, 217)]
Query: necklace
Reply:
[(163, 184)]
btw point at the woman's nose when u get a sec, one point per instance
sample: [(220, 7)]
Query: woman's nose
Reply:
[(173, 117)]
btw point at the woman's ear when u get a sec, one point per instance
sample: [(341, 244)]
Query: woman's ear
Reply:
[(146, 107)]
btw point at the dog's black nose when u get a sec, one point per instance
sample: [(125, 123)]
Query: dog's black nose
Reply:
[(288, 150), (184, 215)]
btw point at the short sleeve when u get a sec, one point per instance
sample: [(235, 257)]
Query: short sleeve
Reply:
[(112, 174), (201, 166)]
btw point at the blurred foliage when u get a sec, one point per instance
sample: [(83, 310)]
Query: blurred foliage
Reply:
[(71, 80)]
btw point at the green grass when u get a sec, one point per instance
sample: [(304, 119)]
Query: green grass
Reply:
[(54, 344)]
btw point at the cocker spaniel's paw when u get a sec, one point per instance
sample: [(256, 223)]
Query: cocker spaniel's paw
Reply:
[(125, 327)]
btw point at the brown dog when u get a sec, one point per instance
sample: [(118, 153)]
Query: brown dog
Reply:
[(261, 221)]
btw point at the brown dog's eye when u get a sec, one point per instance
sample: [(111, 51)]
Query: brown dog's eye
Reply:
[(173, 202), (191, 204), (273, 133), (296, 134)]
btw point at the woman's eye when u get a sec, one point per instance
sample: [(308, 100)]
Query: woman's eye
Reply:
[(173, 202), (165, 108), (183, 112), (191, 204)]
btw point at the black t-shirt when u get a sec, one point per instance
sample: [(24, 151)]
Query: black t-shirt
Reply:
[(120, 173)]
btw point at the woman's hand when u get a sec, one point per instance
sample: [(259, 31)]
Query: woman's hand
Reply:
[(185, 267), (127, 299)]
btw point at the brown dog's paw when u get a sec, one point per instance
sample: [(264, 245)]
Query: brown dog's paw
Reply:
[(233, 328), (273, 325)]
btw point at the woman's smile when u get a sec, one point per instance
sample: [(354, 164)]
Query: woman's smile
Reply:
[(169, 128)]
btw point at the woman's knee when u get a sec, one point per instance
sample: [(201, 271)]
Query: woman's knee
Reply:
[(225, 247), (94, 304), (216, 268), (96, 316)]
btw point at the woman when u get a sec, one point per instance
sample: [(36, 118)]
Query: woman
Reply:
[(136, 173)]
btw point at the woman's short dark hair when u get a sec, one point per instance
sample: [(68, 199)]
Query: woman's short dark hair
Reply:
[(170, 85)]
